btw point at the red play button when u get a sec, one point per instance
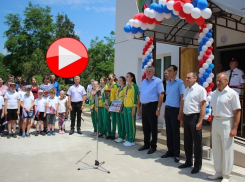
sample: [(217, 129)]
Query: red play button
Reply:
[(67, 57)]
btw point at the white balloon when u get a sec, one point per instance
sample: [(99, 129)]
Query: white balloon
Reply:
[(147, 39), (138, 35), (211, 40), (206, 13), (199, 40), (145, 67), (163, 2), (146, 12), (209, 98), (130, 36), (149, 64), (196, 13), (205, 30), (152, 46), (159, 16), (201, 70), (205, 84), (202, 53), (209, 26), (187, 8), (167, 16), (201, 35), (208, 43), (207, 103), (211, 56), (151, 60), (175, 12), (209, 61), (204, 48), (206, 116), (199, 57), (151, 14), (211, 75), (149, 49), (151, 26), (205, 65), (200, 75), (131, 22), (170, 5), (210, 110), (136, 23), (147, 53), (143, 26), (209, 79)]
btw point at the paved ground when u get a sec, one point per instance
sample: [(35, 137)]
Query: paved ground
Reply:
[(56, 158)]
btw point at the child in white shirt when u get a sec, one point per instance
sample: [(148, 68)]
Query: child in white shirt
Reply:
[(1, 110), (40, 104), (62, 111)]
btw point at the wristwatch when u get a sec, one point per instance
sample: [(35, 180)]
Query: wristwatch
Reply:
[(158, 108)]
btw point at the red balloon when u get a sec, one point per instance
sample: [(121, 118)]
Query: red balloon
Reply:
[(205, 57), (150, 20), (136, 17), (144, 76), (202, 61), (203, 25), (208, 52), (177, 6), (143, 53), (200, 21), (149, 43), (189, 18), (158, 22), (182, 13), (208, 89), (144, 19), (200, 31), (211, 48), (151, 39), (209, 118), (140, 15), (211, 85), (200, 66)]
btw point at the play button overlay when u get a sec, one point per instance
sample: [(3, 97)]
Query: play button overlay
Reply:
[(67, 57)]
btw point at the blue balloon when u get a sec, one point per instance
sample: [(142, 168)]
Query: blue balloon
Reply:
[(153, 5), (134, 30), (209, 35), (146, 59), (209, 70), (194, 3), (202, 79), (149, 56), (205, 75), (205, 39), (142, 66), (173, 15), (207, 110), (199, 82), (211, 31), (211, 66), (201, 44), (141, 31), (159, 8), (202, 4), (144, 39), (127, 28), (199, 49), (166, 10)]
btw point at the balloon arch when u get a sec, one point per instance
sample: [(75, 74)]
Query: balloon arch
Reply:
[(190, 10)]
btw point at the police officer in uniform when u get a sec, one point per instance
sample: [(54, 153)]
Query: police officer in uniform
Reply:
[(236, 76)]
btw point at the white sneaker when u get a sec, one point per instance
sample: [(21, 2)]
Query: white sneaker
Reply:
[(226, 180), (125, 143), (60, 132), (119, 140), (216, 176), (129, 144), (116, 140)]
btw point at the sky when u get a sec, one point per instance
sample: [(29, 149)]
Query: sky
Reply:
[(91, 17)]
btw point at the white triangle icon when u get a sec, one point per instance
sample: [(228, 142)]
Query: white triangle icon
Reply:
[(66, 57)]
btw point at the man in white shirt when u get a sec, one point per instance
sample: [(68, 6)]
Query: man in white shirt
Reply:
[(226, 113), (236, 76), (90, 88), (192, 109)]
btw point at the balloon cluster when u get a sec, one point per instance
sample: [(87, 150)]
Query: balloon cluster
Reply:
[(196, 11), (147, 55), (205, 63)]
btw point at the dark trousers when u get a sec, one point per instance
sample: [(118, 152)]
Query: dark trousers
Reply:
[(173, 130), (1, 122), (149, 122), (192, 135), (76, 110)]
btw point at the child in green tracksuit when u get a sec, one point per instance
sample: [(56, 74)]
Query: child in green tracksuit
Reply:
[(131, 94), (120, 116), (101, 109), (94, 104), (110, 94)]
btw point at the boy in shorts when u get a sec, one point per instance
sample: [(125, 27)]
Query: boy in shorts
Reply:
[(45, 96), (12, 108), (27, 103), (40, 104), (51, 111)]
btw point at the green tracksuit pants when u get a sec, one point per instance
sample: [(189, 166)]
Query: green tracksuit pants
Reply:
[(94, 120), (102, 123), (130, 124), (110, 119), (120, 125)]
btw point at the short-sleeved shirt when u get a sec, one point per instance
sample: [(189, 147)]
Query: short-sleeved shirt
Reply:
[(3, 90), (52, 103), (1, 102), (237, 79), (62, 105), (76, 93), (192, 99), (225, 102), (22, 93), (150, 90), (40, 103), (174, 91), (46, 87), (89, 89), (27, 100), (12, 98)]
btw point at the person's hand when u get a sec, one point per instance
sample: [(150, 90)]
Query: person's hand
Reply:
[(70, 108), (133, 112), (66, 115), (107, 108), (179, 117), (57, 114), (158, 112), (198, 126), (96, 109), (18, 112), (139, 111), (2, 115), (182, 123), (91, 108), (82, 107), (233, 132), (44, 114)]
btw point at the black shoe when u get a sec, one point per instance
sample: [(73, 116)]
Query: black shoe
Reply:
[(112, 138), (100, 135), (37, 133), (185, 166), (143, 148), (151, 151), (108, 137), (195, 170), (9, 136), (20, 133), (45, 130), (42, 133), (79, 132), (176, 159), (14, 135), (71, 132), (167, 155)]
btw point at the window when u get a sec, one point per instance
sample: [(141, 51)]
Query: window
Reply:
[(161, 65), (159, 68), (167, 62)]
